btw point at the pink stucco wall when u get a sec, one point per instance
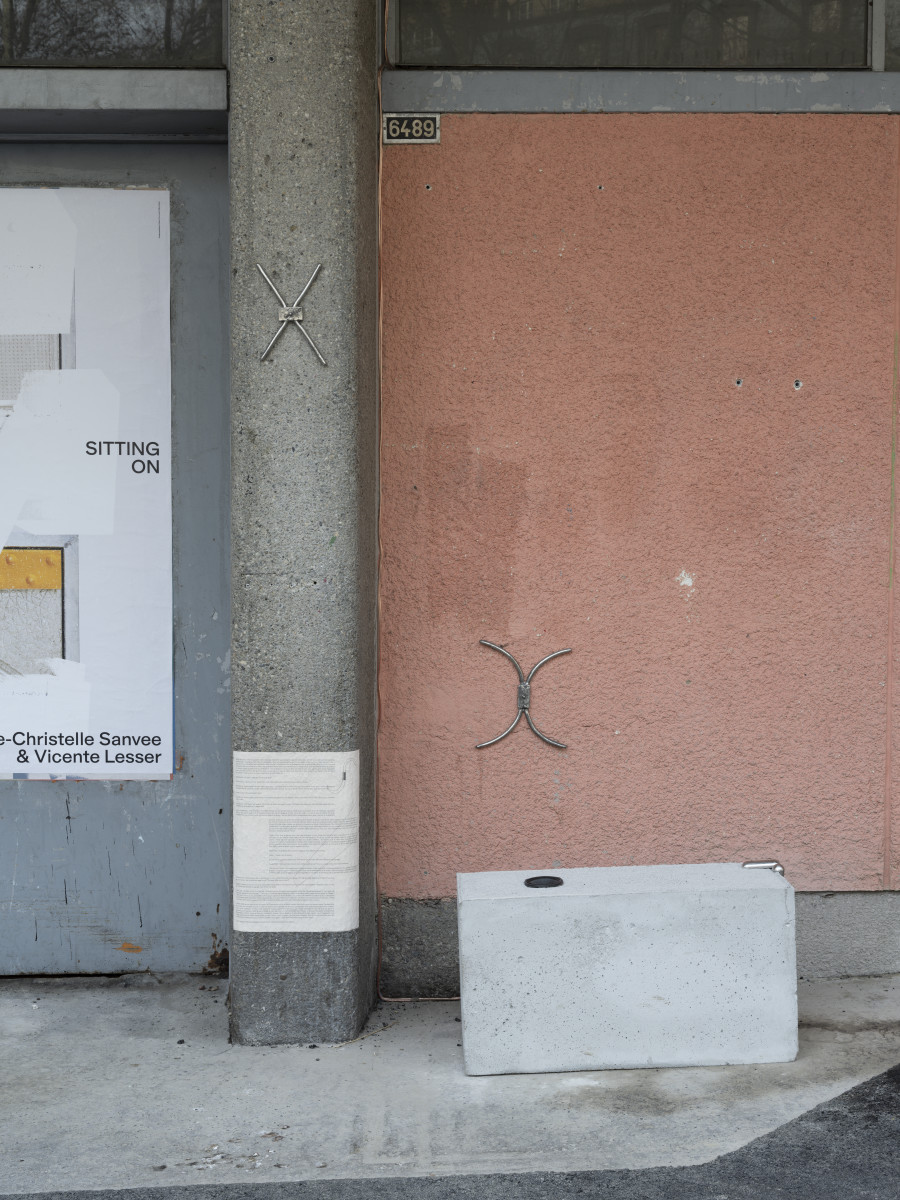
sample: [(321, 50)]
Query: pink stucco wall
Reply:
[(567, 461)]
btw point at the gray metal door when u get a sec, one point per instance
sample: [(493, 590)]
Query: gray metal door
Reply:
[(102, 877)]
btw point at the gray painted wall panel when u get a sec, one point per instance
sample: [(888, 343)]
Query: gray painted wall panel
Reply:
[(64, 89), (85, 868), (640, 91)]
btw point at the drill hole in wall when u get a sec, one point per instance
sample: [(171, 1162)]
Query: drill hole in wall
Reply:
[(738, 383), (798, 384), (543, 881)]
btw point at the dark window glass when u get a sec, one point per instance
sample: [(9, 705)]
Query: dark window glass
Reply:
[(892, 36), (112, 33), (633, 33)]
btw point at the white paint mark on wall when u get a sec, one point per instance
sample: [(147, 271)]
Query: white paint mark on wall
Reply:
[(686, 580)]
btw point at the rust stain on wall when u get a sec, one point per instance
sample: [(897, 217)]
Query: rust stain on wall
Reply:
[(218, 960)]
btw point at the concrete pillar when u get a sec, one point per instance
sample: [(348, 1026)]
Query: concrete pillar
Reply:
[(304, 147)]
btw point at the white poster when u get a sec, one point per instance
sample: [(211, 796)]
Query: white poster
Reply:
[(296, 842), (85, 485)]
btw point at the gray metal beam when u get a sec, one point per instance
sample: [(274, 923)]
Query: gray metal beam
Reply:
[(72, 104), (65, 89), (640, 91)]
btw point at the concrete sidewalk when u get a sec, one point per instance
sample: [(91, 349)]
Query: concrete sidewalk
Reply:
[(131, 1083), (845, 1149)]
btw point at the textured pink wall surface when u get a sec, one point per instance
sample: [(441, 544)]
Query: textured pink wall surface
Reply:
[(567, 460)]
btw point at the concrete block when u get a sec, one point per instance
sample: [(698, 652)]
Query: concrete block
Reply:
[(661, 966)]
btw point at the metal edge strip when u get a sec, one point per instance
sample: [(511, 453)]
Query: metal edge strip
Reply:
[(517, 91)]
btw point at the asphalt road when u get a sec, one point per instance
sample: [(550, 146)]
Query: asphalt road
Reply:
[(846, 1149)]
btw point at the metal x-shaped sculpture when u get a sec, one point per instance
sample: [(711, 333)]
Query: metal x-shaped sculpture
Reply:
[(523, 697), (291, 314)]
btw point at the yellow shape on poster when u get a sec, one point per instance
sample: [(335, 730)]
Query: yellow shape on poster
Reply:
[(30, 569)]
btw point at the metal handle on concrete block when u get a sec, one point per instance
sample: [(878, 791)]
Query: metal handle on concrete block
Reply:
[(771, 865)]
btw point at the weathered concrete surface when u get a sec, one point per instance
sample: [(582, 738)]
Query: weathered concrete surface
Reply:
[(395, 1103), (845, 1149), (838, 933), (848, 933), (303, 160), (568, 460), (419, 948), (625, 967)]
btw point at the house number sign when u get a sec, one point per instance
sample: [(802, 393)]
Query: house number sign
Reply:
[(399, 129)]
